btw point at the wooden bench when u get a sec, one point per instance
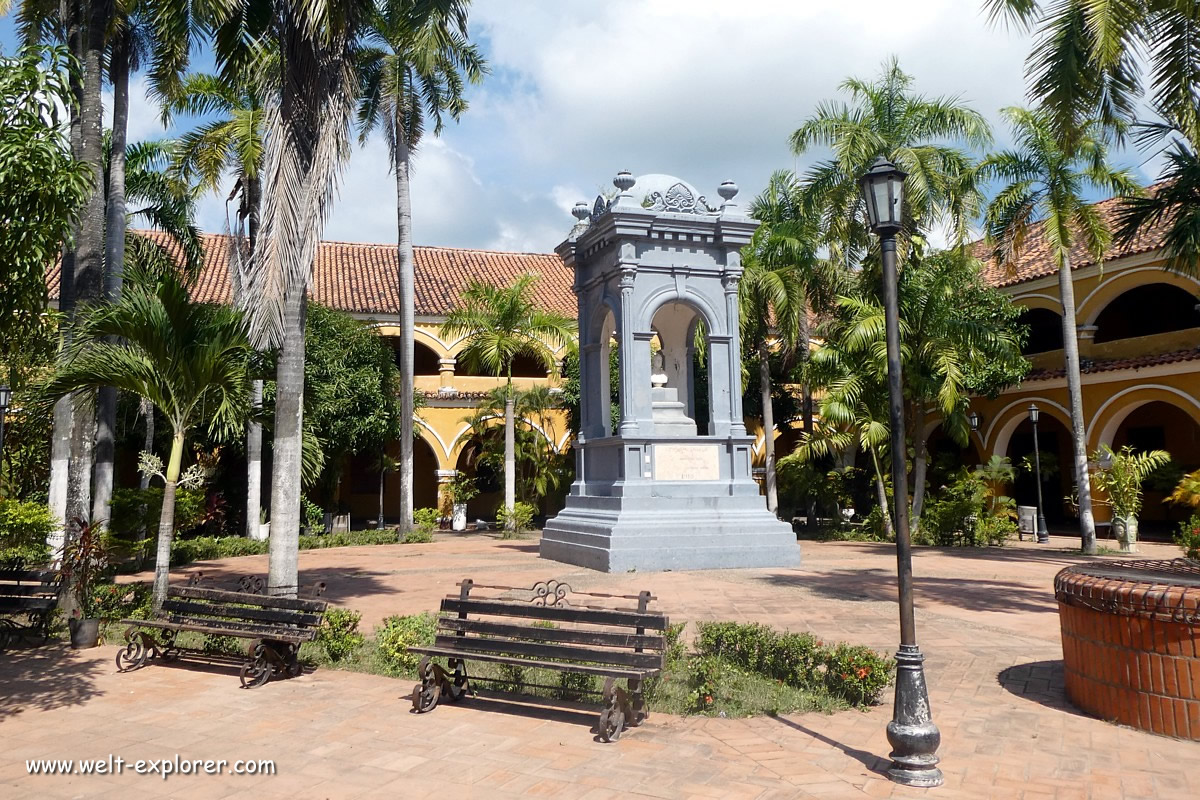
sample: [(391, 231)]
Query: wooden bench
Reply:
[(276, 626), (547, 626), (27, 601)]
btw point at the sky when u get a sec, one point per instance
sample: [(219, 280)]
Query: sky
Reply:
[(706, 90)]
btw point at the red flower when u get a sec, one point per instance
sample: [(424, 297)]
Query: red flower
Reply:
[(863, 672), (708, 699), (845, 676)]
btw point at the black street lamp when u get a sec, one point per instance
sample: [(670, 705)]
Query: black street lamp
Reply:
[(913, 736), (1043, 533), (5, 398)]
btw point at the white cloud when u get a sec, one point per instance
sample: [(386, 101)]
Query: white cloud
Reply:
[(708, 90), (144, 121)]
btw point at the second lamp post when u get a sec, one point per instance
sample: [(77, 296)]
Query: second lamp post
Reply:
[(913, 736), (1043, 533)]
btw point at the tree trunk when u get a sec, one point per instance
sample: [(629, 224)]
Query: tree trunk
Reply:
[(1087, 524), (254, 439), (114, 258), (920, 468), (881, 492), (768, 412), (404, 260), (289, 429), (89, 253), (60, 460), (166, 522), (510, 456), (146, 409), (806, 414), (382, 475)]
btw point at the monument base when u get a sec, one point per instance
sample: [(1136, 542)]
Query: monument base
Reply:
[(619, 534)]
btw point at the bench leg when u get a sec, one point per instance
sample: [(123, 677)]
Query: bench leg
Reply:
[(638, 703), (425, 695), (140, 647), (457, 686), (262, 663), (617, 710)]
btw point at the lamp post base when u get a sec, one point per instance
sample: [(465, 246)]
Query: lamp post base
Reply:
[(1043, 533), (913, 736)]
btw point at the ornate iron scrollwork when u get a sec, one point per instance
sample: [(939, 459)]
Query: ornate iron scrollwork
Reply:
[(550, 593), (251, 584)]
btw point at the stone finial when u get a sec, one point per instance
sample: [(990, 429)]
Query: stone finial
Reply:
[(624, 182), (728, 190), (581, 211)]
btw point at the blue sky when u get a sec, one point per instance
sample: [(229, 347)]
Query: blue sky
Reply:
[(705, 90)]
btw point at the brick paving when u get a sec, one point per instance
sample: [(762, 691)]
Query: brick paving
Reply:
[(986, 619)]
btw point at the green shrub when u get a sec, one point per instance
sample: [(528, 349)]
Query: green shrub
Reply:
[(425, 521), (114, 601), (946, 519), (1189, 537), (857, 673), (216, 644), (516, 524), (207, 548), (135, 512), (24, 528), (706, 676), (338, 634), (512, 677), (418, 536), (314, 516), (575, 685), (797, 659), (396, 634), (994, 530)]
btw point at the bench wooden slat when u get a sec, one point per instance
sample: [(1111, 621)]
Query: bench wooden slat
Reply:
[(501, 608), (540, 650), (27, 590), (557, 635), (586, 669), (284, 616), (34, 575), (266, 631), (26, 603), (263, 601), (197, 626)]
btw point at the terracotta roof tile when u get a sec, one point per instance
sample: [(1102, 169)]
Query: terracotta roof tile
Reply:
[(362, 277), (1114, 364), (1035, 260)]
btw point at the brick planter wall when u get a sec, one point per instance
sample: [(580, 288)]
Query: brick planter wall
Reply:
[(1131, 643)]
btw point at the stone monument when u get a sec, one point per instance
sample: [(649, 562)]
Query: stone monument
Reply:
[(656, 274)]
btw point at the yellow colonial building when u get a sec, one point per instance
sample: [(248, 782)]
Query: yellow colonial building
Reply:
[(1139, 344)]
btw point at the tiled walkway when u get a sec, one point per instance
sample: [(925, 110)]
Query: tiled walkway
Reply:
[(986, 621)]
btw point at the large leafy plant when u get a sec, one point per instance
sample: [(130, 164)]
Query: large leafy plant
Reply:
[(1121, 475)]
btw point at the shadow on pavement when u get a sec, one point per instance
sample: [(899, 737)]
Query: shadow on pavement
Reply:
[(876, 764), (974, 594), (1041, 682), (45, 678)]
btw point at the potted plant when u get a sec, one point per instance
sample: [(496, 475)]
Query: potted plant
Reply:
[(461, 490), (1121, 475), (85, 560)]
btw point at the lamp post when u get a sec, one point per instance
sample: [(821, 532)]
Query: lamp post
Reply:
[(5, 398), (1043, 533), (913, 736)]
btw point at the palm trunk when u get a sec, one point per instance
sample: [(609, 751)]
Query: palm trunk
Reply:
[(166, 522), (60, 460), (254, 439), (382, 475), (881, 491), (114, 245), (89, 254), (404, 258), (1087, 524), (283, 575), (510, 455), (920, 468), (806, 413), (147, 411), (768, 413)]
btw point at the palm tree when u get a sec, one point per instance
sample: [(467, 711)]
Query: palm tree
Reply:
[(885, 117), (1173, 204), (229, 142), (783, 276), (415, 71), (1086, 63), (188, 359), (139, 185), (309, 96), (498, 324), (1044, 178)]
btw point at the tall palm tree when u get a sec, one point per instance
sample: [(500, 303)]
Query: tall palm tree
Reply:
[(784, 278), (886, 117), (189, 360), (414, 71), (1087, 60), (231, 141), (1044, 179), (309, 99), (498, 324), (1173, 204)]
